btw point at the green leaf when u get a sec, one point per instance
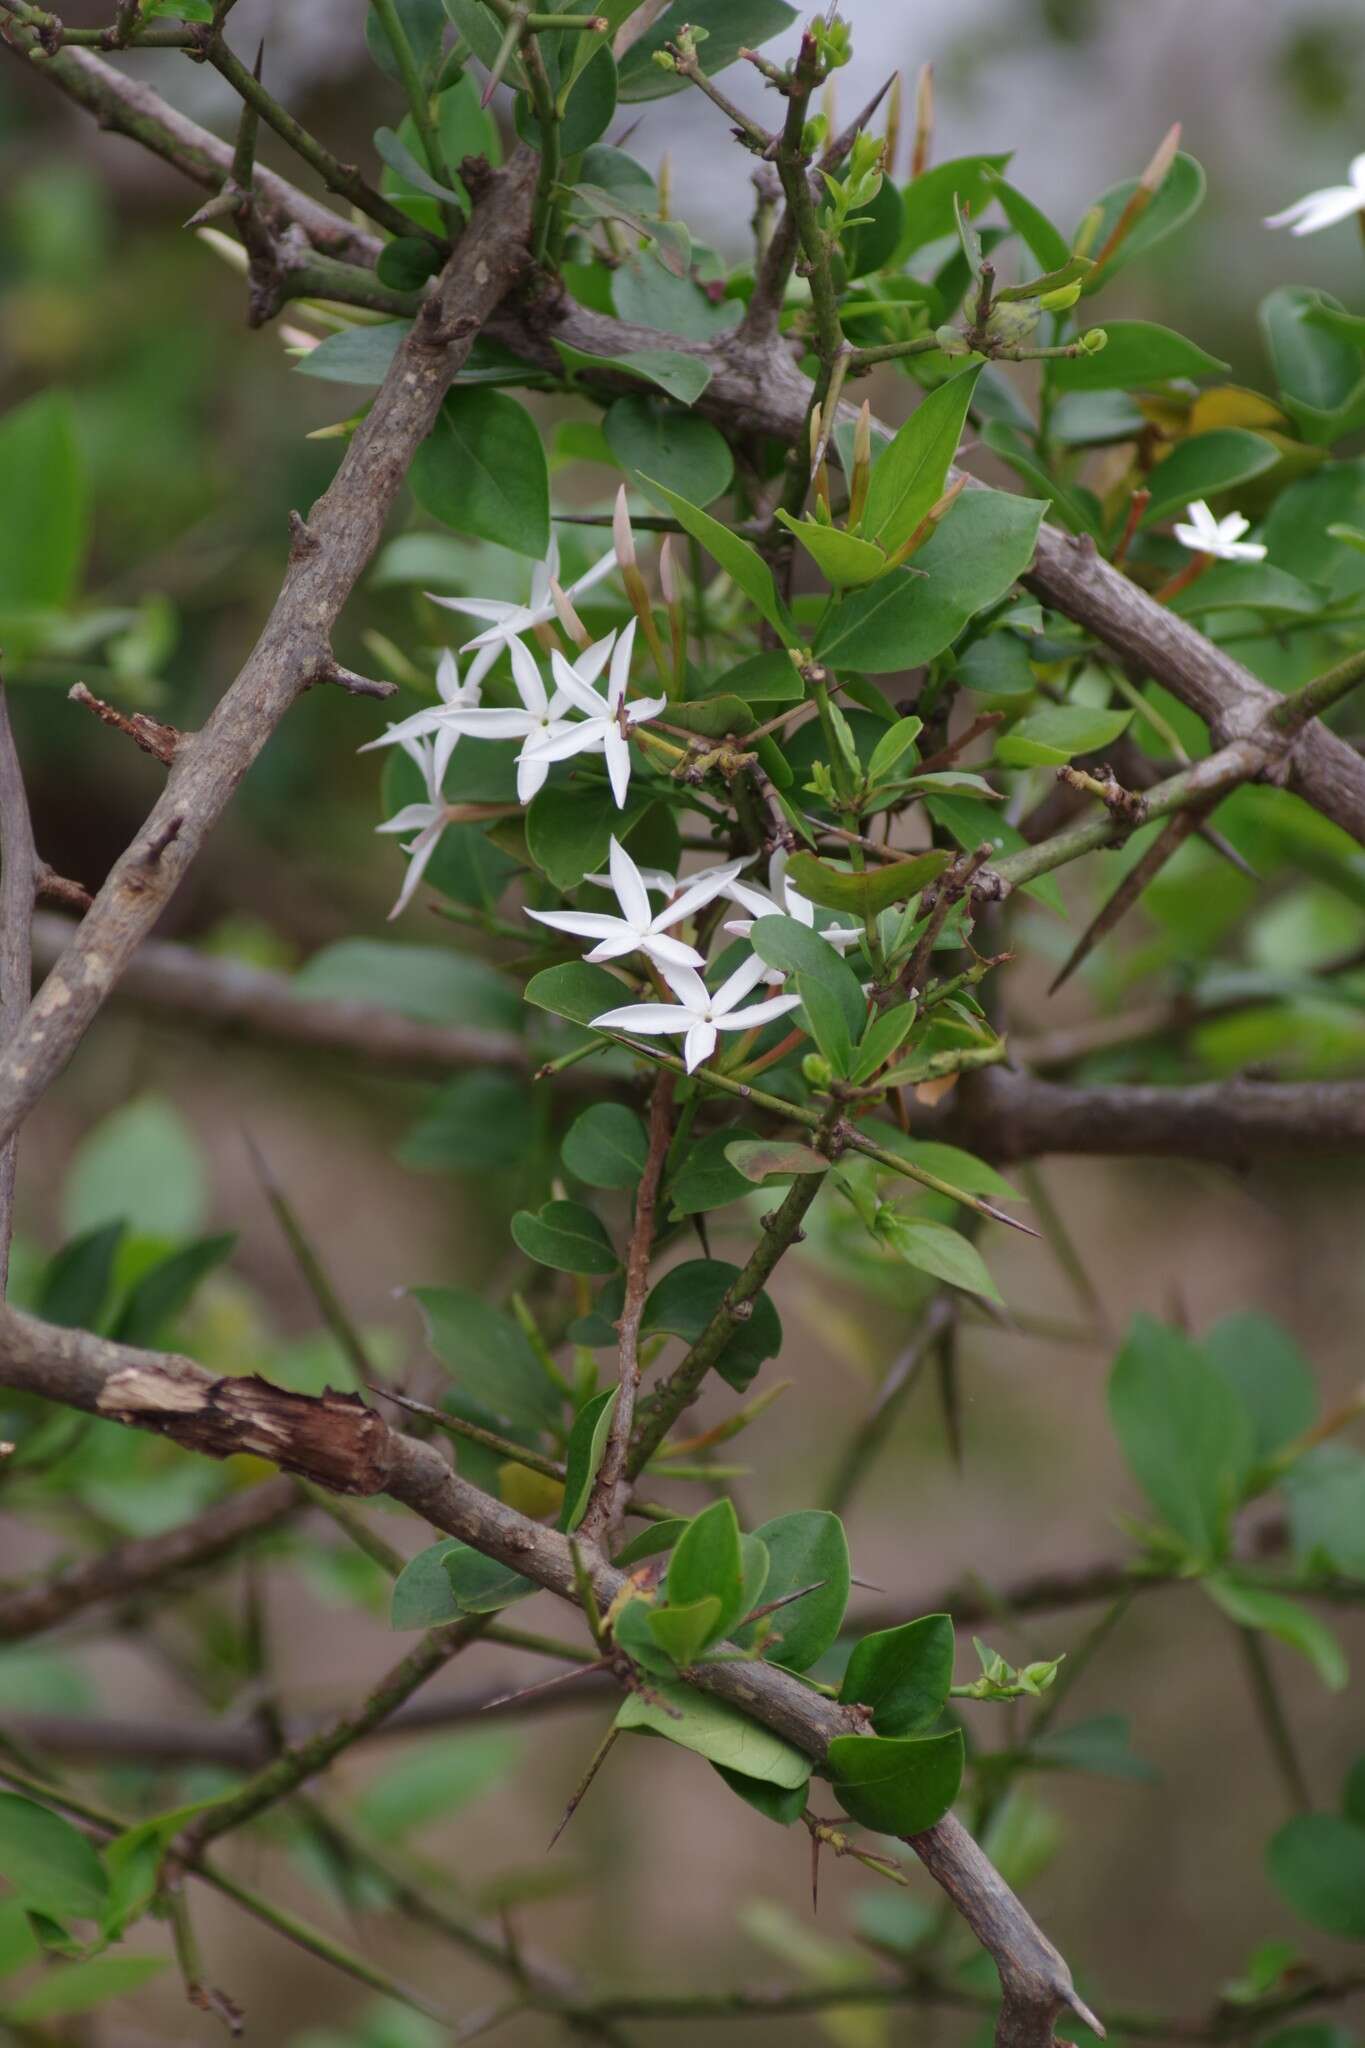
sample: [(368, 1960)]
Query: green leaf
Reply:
[(406, 263), (166, 1288), (422, 1596), (396, 154), (903, 1675), (1180, 194), (434, 1782), (1318, 1862), (928, 199), (715, 1730), (76, 1280), (1046, 244), (841, 558), (652, 1541), (874, 890), (487, 1355), (908, 617), (808, 1548), (357, 355), (1274, 1614), (1137, 354), (50, 1864), (707, 1177), (826, 1022), (140, 1164), (1101, 1745), (430, 983), (1326, 1492), (973, 823), (795, 948), (1205, 464), (895, 742), (949, 1162), (567, 1236), (887, 1030), (482, 470), (1055, 732), (763, 679), (583, 1458), (577, 990), (873, 239), (731, 26), (606, 1146), (479, 1584), (775, 1802), (80, 1987), (741, 563), (909, 476), (44, 519), (423, 21), (707, 1562), (934, 1248), (758, 1159), (648, 292), (686, 1298), (1185, 1434), (1317, 371), (1269, 1374), (682, 1633), (648, 436), (569, 830), (587, 111), (897, 1785), (682, 377)]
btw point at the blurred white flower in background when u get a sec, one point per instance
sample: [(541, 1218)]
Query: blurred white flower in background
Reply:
[(1324, 209), (1221, 538)]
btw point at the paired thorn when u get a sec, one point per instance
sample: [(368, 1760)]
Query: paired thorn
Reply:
[(162, 741)]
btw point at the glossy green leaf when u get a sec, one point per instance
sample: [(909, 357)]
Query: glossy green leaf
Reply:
[(50, 1863), (742, 564), (1177, 197), (1186, 1436), (1204, 465), (797, 949), (684, 1301), (434, 1781), (949, 1162), (886, 1032), (892, 747), (606, 1146), (934, 1248), (707, 1562), (903, 1674), (396, 154), (482, 470), (481, 1122), (897, 1785), (480, 1584), (587, 111), (1054, 733), (807, 1548), (566, 1236), (1318, 372), (682, 377), (1318, 1862), (70, 1988), (783, 1804), (908, 477), (758, 1159), (717, 1731), (1269, 1374), (1046, 244), (76, 1280), (583, 1457), (166, 1288), (18, 1942), (142, 1165), (648, 436), (1276, 1615), (874, 890), (841, 558), (487, 1355), (1326, 1493), (577, 990), (682, 1633), (927, 200), (1137, 354), (431, 983)]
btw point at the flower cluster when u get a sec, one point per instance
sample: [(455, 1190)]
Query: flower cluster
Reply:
[(576, 718)]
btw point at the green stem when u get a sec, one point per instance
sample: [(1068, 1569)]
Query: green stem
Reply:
[(391, 21), (1274, 1721)]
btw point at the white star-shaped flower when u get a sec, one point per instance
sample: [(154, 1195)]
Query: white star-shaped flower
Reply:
[(428, 820), (538, 717), (455, 696), (1325, 208), (507, 622), (698, 1016), (605, 722), (780, 899), (1219, 537), (638, 929)]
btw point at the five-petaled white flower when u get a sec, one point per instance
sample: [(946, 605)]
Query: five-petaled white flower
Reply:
[(538, 717), (508, 621), (781, 899), (606, 720), (638, 929), (455, 696), (1219, 537), (428, 820), (1325, 208), (698, 1013)]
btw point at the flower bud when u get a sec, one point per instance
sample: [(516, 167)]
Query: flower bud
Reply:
[(1063, 298), (621, 531), (1093, 340), (817, 1070), (951, 342)]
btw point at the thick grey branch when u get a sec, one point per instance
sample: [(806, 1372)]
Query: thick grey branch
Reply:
[(340, 1444), (18, 893)]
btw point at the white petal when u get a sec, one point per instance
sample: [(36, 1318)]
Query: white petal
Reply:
[(594, 575), (421, 851), (695, 896), (488, 722), (572, 688), (410, 728), (699, 1045), (628, 883), (1246, 551), (617, 751), (409, 819), (531, 774), (442, 747), (687, 985), (1318, 210), (644, 708), (620, 665), (475, 607), (733, 990), (756, 901), (761, 1013), (593, 660), (526, 676), (625, 942), (647, 1017), (657, 946), (841, 936), (1356, 174), (448, 677), (563, 741), (584, 924), (740, 927), (1233, 527), (484, 658)]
